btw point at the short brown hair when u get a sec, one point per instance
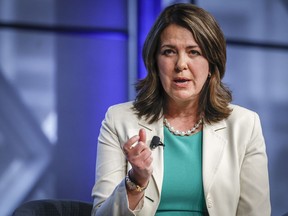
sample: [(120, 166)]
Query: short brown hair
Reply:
[(214, 96)]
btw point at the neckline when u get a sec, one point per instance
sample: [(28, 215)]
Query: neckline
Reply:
[(176, 132)]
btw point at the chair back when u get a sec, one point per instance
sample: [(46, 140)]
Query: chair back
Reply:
[(51, 207)]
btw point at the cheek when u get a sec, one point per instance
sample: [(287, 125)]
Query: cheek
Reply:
[(165, 80), (165, 65), (203, 77), (163, 77), (164, 70), (203, 70), (161, 66)]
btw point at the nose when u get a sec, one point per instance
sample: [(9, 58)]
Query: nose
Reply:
[(181, 63)]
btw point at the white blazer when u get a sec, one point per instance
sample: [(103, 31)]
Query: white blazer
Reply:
[(235, 171)]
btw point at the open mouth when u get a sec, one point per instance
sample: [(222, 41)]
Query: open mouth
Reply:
[(181, 80)]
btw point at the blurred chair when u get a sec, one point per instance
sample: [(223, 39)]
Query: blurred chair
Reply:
[(53, 207)]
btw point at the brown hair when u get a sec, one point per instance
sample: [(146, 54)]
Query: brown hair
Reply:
[(214, 96)]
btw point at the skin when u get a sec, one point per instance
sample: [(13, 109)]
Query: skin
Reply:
[(183, 71), (180, 59), (140, 157)]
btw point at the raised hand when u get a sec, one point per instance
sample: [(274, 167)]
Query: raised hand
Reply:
[(139, 156)]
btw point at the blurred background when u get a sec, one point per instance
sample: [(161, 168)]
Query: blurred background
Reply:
[(63, 63)]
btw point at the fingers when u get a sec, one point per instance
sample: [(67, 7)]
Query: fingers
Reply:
[(139, 155), (136, 148), (133, 141), (147, 157), (142, 135), (142, 165)]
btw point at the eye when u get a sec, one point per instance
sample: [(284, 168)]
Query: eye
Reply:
[(168, 52), (195, 52)]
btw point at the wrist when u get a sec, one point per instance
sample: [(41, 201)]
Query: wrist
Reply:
[(138, 178), (133, 185)]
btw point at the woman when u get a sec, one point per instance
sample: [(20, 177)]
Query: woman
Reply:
[(214, 160)]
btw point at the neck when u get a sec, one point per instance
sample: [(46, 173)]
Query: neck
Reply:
[(182, 116), (181, 110)]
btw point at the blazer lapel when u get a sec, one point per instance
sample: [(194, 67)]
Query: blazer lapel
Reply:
[(213, 146)]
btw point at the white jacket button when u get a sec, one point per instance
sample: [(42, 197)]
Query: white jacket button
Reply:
[(209, 202)]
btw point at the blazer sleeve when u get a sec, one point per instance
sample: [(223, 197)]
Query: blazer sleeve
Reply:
[(254, 183), (109, 191)]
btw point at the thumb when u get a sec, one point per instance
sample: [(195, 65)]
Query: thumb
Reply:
[(142, 135)]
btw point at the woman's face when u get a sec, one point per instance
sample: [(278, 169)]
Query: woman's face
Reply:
[(182, 68)]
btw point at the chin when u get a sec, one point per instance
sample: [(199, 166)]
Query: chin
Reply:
[(185, 98)]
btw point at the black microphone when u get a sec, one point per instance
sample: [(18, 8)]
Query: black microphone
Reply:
[(155, 142)]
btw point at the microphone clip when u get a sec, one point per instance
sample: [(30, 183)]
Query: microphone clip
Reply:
[(155, 142)]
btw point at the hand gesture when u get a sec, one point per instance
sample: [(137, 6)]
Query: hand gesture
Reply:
[(139, 156)]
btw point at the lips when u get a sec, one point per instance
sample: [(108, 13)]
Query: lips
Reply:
[(181, 80)]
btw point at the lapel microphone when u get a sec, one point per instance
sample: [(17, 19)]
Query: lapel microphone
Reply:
[(155, 142)]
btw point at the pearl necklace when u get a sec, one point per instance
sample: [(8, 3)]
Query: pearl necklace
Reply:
[(182, 133)]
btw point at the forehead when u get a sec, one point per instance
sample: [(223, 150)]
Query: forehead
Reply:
[(176, 34)]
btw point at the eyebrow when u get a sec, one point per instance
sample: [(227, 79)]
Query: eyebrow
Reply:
[(172, 46)]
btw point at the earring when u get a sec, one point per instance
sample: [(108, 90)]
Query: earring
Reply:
[(209, 75)]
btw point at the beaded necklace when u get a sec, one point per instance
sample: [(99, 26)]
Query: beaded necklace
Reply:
[(182, 133)]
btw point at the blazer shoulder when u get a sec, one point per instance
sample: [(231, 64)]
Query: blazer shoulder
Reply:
[(242, 114), (121, 107), (241, 111), (121, 112)]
